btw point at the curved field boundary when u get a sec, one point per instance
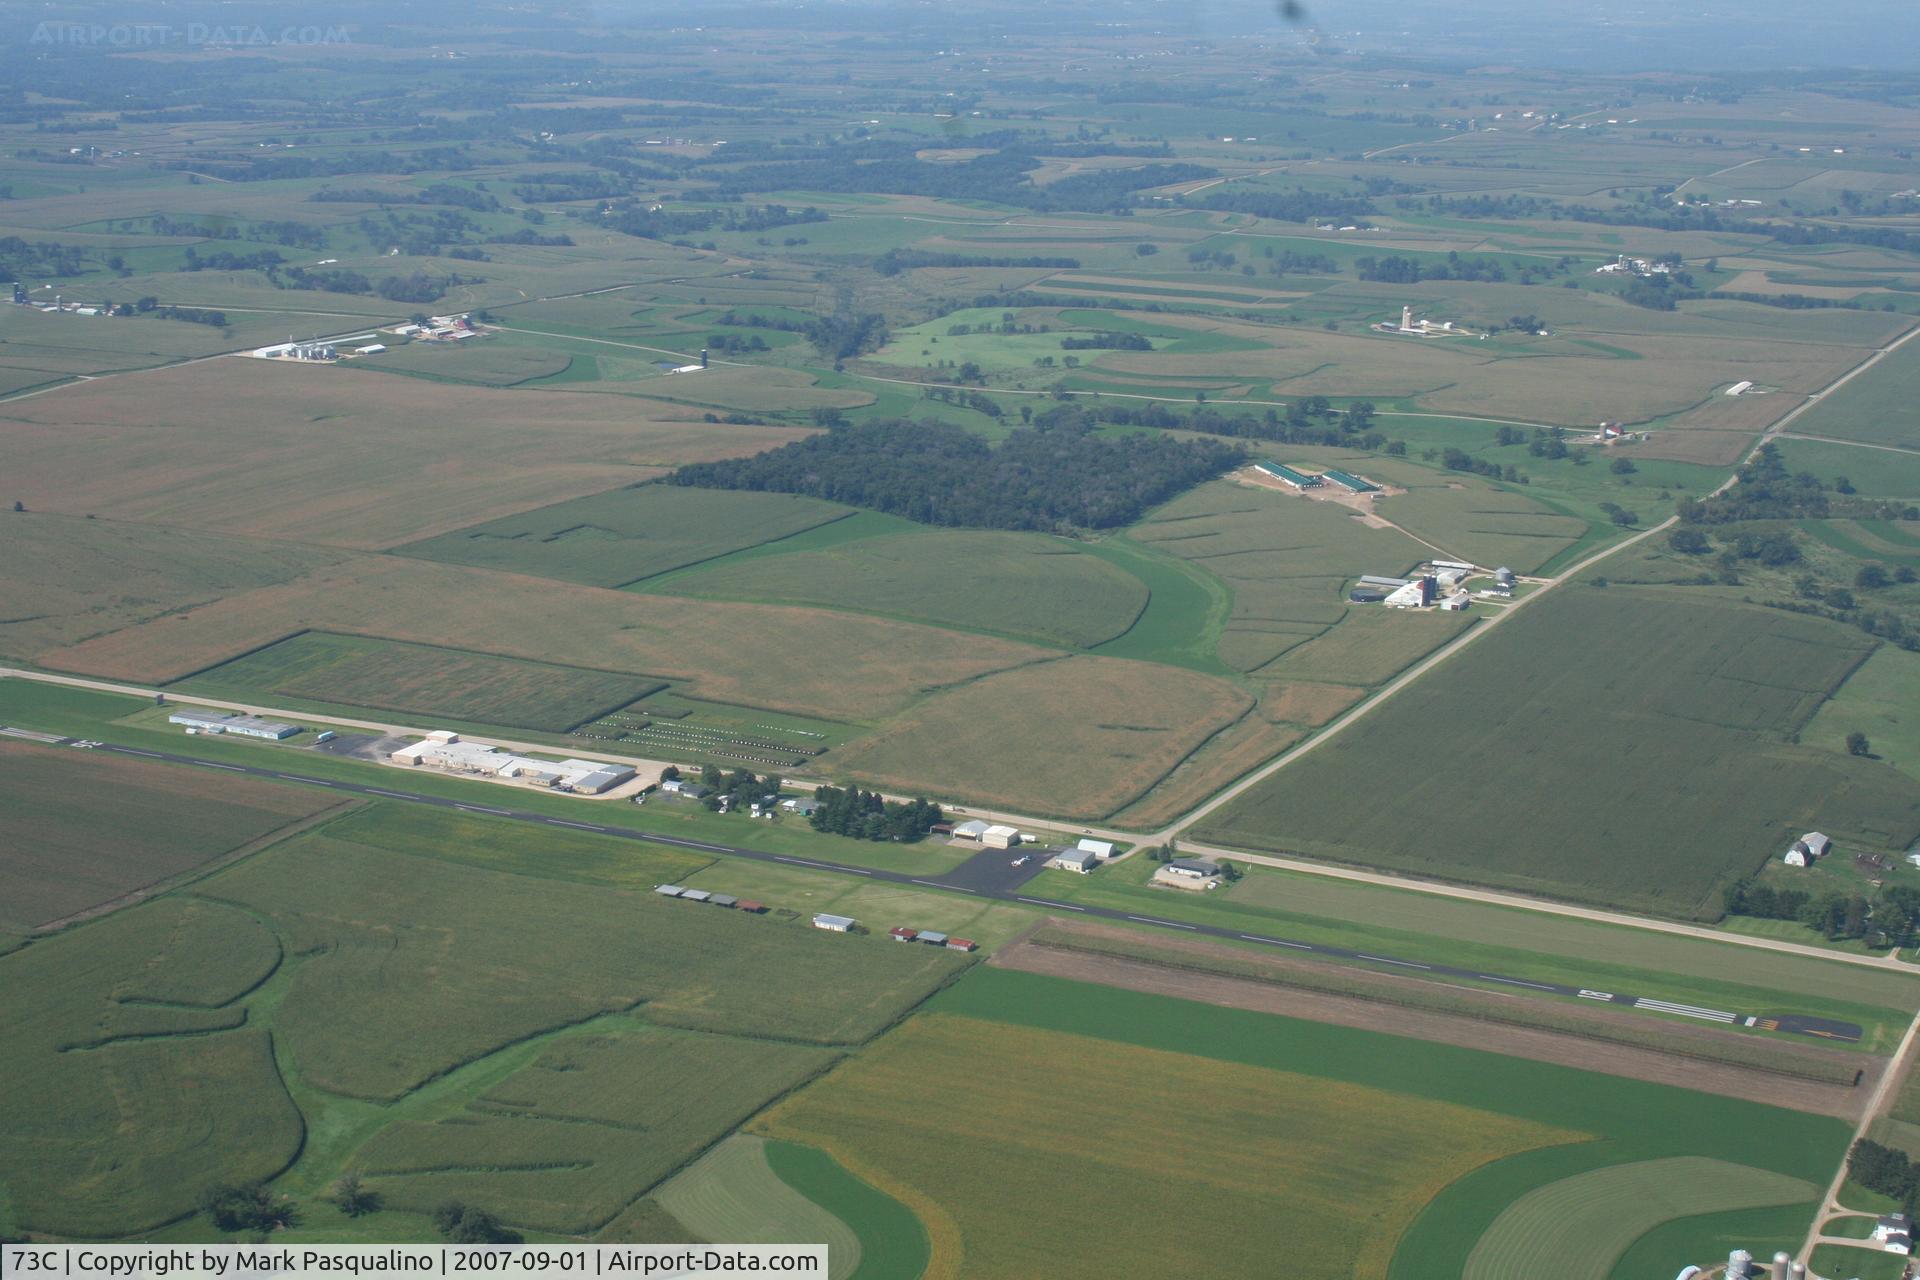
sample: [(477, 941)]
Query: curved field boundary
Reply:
[(893, 1244), (1578, 1227), (733, 1193)]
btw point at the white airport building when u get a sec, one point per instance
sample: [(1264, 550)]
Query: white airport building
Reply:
[(227, 722), (444, 750)]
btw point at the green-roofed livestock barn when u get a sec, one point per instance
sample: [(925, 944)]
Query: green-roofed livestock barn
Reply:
[(1298, 479), (1347, 480)]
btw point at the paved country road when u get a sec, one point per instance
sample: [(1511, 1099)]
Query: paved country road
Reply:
[(991, 875)]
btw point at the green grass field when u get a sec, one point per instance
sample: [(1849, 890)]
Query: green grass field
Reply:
[(425, 680), (145, 823), (417, 1016), (893, 1244), (1858, 1264), (1874, 473), (88, 1064), (612, 539), (1581, 1226), (379, 1009), (1187, 608), (732, 1193), (1875, 407), (566, 1142), (1663, 689), (1876, 700), (1024, 585)]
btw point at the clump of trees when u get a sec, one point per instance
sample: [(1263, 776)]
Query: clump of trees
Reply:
[(468, 1224), (247, 1207), (844, 335), (1884, 1169), (864, 815), (352, 1196), (1055, 477)]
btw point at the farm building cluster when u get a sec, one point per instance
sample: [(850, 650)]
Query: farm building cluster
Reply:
[(1295, 478), (439, 329), (1442, 585), (445, 750), (1742, 1266), (1423, 328), (1625, 266)]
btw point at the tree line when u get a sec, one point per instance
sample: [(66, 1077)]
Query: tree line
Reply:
[(1107, 342), (894, 261), (1887, 921)]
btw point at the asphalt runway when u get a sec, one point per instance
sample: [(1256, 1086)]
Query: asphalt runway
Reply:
[(990, 874)]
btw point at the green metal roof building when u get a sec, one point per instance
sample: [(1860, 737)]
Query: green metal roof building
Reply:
[(1347, 480), (1280, 471)]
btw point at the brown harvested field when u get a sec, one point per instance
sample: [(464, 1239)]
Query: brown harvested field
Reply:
[(810, 661), (1574, 385), (1711, 448), (1747, 414), (1303, 702), (334, 455), (1469, 1032), (1237, 750), (746, 388), (79, 829), (65, 578), (1078, 736), (1673, 374)]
